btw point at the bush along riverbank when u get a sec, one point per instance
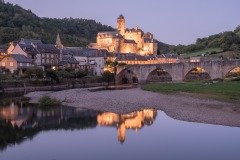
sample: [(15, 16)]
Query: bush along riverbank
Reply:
[(226, 90), (47, 101)]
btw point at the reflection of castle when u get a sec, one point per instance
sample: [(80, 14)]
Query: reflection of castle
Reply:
[(126, 40), (134, 120)]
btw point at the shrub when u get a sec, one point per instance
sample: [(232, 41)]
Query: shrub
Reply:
[(81, 73), (48, 101)]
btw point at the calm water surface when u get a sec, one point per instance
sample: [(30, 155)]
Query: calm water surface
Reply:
[(63, 133)]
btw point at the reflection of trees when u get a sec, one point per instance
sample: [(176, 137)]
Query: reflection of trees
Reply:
[(27, 122), (134, 120)]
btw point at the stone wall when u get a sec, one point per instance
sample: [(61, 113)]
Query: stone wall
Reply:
[(178, 71)]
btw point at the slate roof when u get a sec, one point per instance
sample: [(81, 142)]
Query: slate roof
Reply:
[(28, 49), (130, 57), (30, 41), (148, 40), (121, 16), (151, 57), (21, 58), (47, 48), (84, 52), (129, 41), (39, 48), (67, 60), (112, 34)]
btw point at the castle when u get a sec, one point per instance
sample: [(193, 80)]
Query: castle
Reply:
[(126, 40)]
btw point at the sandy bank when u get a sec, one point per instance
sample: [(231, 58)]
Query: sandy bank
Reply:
[(179, 106)]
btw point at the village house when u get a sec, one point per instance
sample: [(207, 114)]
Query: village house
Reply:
[(15, 62), (91, 60), (68, 62), (43, 55)]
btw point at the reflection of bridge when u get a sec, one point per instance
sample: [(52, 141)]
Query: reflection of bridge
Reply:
[(177, 71)]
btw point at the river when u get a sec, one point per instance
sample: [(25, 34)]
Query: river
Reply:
[(28, 132)]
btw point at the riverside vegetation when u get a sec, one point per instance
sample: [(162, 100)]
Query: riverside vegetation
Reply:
[(226, 90)]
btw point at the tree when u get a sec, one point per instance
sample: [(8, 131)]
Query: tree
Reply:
[(80, 74), (52, 74), (108, 76)]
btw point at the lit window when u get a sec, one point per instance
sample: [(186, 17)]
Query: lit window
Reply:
[(3, 63), (11, 64)]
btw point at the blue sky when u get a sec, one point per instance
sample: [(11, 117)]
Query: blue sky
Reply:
[(171, 21)]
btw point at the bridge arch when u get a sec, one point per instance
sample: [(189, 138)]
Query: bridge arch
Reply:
[(126, 76), (233, 72), (159, 75), (197, 73)]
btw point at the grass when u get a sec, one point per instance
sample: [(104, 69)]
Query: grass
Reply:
[(46, 101), (229, 91), (198, 53)]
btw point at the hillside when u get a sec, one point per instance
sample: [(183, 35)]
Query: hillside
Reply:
[(226, 41), (16, 23)]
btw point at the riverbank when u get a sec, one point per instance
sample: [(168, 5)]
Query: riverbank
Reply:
[(227, 90), (187, 107)]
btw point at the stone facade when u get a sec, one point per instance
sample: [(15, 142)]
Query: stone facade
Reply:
[(15, 62), (179, 71), (126, 40)]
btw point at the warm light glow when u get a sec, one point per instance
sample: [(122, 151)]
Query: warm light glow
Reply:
[(134, 120), (54, 68)]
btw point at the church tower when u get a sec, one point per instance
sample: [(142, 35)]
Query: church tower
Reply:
[(121, 24), (59, 44)]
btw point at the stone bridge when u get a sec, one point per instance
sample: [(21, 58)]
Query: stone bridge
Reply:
[(178, 71)]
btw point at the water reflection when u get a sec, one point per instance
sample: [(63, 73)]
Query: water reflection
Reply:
[(20, 121), (134, 120)]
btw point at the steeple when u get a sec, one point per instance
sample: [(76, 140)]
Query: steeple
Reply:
[(59, 44)]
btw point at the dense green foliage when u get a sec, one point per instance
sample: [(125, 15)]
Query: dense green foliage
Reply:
[(164, 48), (108, 76), (224, 90), (227, 41), (16, 23), (45, 101)]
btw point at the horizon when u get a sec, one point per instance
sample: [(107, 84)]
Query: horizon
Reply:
[(187, 22)]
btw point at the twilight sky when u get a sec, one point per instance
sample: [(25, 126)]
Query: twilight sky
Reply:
[(171, 21)]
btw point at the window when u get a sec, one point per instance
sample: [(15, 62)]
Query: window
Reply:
[(20, 64), (3, 63), (11, 64)]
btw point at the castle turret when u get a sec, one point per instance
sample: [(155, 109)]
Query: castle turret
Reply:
[(121, 24), (59, 44)]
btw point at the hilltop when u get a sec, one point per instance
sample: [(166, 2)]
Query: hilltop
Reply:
[(221, 44), (17, 22)]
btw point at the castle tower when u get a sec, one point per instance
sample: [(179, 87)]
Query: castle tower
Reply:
[(121, 24), (59, 44)]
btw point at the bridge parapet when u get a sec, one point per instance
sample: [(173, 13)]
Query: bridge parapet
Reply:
[(178, 71)]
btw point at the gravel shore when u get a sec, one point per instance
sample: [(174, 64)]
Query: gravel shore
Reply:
[(180, 106)]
